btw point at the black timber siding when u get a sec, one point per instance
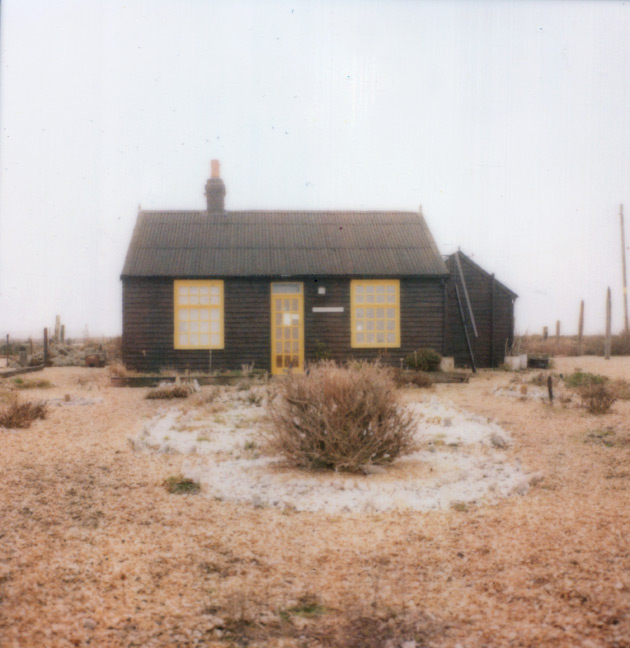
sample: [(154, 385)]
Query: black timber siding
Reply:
[(148, 323), (493, 308)]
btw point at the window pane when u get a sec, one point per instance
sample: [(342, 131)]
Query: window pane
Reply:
[(214, 327), (279, 330), (183, 327), (183, 339), (380, 312), (360, 326), (286, 319), (287, 347), (391, 338), (295, 319), (370, 325), (194, 313), (359, 289), (369, 289), (294, 332), (380, 325), (380, 338), (370, 338), (380, 290), (183, 290), (360, 337), (205, 339), (370, 299), (391, 299), (194, 338), (390, 325), (183, 313), (369, 312), (390, 313), (215, 300), (391, 289), (359, 312), (204, 299), (204, 327), (183, 299), (214, 339), (295, 347), (215, 290), (294, 305), (278, 347), (194, 326)]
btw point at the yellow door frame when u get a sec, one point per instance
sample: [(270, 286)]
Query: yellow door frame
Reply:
[(287, 326)]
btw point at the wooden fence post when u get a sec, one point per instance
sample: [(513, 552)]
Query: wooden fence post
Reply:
[(545, 333), (580, 328), (557, 333), (45, 347), (608, 323), (7, 349)]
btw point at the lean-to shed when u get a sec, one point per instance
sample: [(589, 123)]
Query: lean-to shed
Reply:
[(216, 289), (480, 314)]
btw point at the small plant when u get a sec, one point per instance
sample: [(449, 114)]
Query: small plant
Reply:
[(584, 379), (180, 485), (21, 415), (176, 391), (339, 418), (20, 383), (321, 351), (424, 360), (597, 398), (308, 606)]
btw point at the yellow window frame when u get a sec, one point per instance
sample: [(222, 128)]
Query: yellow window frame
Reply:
[(198, 314), (375, 313)]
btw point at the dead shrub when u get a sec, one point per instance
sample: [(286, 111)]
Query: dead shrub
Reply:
[(180, 485), (21, 415), (597, 398), (621, 389), (339, 418), (424, 359), (412, 379), (176, 391)]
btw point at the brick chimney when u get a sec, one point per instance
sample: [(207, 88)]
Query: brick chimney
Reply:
[(215, 189)]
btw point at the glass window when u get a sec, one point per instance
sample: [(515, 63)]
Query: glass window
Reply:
[(200, 327), (379, 324)]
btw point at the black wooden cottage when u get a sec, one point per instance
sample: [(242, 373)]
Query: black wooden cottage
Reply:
[(217, 289)]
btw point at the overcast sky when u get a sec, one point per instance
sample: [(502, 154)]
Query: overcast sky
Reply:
[(509, 122)]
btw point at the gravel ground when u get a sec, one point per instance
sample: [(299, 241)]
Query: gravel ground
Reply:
[(95, 552)]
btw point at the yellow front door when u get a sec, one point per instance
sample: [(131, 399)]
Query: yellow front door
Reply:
[(287, 327)]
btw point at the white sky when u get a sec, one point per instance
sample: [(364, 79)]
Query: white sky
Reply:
[(508, 121)]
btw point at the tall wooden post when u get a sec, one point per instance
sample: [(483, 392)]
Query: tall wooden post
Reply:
[(580, 329), (45, 347), (545, 332), (7, 349), (623, 269), (57, 327), (557, 333), (62, 334), (608, 323)]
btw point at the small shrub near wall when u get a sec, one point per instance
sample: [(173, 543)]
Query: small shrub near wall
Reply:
[(339, 418), (424, 360)]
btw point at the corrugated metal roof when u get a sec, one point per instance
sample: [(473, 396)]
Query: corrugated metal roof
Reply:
[(264, 243)]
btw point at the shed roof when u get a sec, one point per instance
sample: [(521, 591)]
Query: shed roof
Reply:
[(276, 243)]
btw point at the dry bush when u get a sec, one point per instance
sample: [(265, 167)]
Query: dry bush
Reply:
[(412, 379), (580, 379), (21, 415), (620, 344), (22, 383), (118, 370), (176, 391), (621, 388), (339, 418), (597, 398)]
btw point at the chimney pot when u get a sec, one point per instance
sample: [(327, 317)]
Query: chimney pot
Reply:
[(215, 169)]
